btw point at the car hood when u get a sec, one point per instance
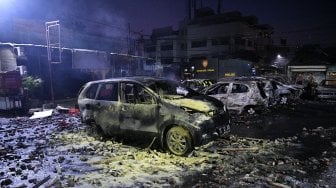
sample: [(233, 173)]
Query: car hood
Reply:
[(201, 103)]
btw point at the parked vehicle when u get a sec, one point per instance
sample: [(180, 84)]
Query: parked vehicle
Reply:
[(198, 84), (326, 91), (240, 96), (281, 93), (177, 116), (276, 91)]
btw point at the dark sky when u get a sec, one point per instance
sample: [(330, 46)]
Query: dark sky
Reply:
[(310, 21)]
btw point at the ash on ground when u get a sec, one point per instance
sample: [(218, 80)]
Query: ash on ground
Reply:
[(281, 148)]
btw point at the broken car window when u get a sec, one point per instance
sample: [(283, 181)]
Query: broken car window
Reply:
[(91, 92), (223, 89), (239, 88), (136, 94), (109, 92), (170, 89)]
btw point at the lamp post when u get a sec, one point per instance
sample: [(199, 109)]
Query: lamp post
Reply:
[(51, 45)]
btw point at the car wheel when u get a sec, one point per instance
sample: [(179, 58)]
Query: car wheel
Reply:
[(178, 141), (94, 130), (251, 110), (283, 99)]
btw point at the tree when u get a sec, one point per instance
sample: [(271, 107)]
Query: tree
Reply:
[(31, 84)]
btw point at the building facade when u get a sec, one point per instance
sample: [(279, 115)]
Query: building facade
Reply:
[(211, 37)]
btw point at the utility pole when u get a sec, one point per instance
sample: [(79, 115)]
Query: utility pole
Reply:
[(51, 44)]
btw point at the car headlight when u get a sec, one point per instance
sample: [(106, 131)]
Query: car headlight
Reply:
[(211, 113)]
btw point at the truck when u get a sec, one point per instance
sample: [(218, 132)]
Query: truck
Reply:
[(217, 68)]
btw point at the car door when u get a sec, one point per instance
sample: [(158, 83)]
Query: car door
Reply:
[(139, 109), (107, 107), (238, 96), (220, 92)]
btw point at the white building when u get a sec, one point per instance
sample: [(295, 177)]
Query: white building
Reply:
[(208, 36)]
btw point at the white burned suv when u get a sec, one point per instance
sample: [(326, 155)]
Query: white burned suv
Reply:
[(179, 117), (239, 96)]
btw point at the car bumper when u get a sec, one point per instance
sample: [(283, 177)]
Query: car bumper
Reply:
[(217, 127)]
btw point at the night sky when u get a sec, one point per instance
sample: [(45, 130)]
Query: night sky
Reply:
[(297, 20)]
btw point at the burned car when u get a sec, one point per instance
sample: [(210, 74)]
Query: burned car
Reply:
[(198, 84), (276, 91), (239, 96), (326, 90), (281, 93), (179, 117)]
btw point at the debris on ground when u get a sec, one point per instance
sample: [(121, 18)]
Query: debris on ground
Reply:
[(57, 151)]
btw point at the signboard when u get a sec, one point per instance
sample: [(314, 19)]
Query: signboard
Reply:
[(230, 74), (88, 59)]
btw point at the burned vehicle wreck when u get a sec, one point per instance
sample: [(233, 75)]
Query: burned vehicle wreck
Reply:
[(239, 96), (179, 117)]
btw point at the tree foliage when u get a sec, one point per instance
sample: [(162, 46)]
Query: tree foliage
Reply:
[(31, 83)]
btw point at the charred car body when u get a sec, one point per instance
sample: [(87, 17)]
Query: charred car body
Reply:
[(198, 84), (276, 91), (326, 90), (239, 96), (281, 93), (180, 117)]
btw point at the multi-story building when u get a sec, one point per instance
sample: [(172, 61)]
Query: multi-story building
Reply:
[(209, 37)]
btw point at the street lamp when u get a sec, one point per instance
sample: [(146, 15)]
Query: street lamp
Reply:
[(50, 45)]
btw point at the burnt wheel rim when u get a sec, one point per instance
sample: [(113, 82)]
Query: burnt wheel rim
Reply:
[(177, 142)]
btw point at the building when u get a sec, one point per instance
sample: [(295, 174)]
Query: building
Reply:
[(315, 60), (210, 37)]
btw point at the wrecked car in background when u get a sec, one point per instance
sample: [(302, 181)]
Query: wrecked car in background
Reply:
[(179, 117), (276, 91), (239, 96), (281, 93), (198, 84), (326, 90)]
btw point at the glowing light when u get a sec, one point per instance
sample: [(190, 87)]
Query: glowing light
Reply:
[(5, 3), (279, 56)]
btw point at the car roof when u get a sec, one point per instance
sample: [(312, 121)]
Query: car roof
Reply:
[(142, 79), (243, 78), (238, 81)]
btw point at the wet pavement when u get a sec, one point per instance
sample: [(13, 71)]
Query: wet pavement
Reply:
[(287, 146)]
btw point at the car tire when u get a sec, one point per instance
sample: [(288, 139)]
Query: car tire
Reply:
[(178, 141), (94, 129), (283, 99), (249, 110)]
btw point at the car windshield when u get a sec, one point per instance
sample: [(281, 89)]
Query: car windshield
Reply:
[(170, 89)]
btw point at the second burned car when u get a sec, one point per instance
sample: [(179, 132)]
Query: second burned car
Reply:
[(239, 96), (179, 117)]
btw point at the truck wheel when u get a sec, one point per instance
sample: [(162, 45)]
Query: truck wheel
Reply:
[(178, 141)]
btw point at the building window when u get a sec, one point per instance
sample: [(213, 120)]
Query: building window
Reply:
[(183, 46), (220, 41), (150, 49), (166, 47), (167, 61), (249, 43), (200, 43), (239, 41)]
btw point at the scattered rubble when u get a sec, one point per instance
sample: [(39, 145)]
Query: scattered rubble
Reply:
[(57, 151)]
